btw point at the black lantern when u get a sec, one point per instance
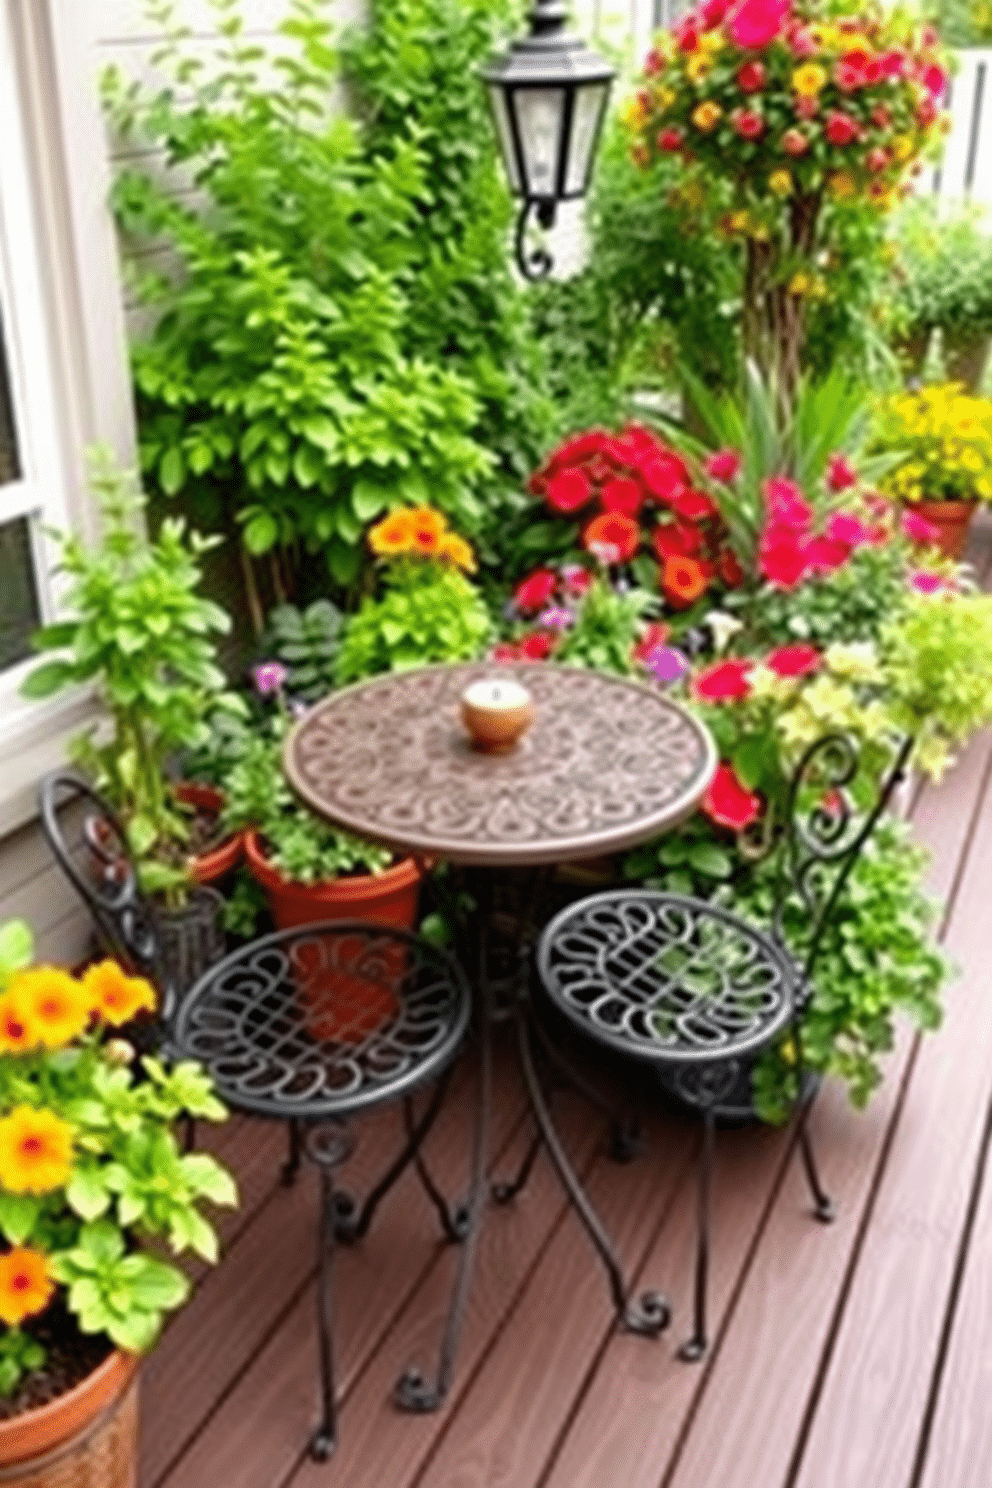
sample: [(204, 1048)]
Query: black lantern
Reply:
[(548, 95)]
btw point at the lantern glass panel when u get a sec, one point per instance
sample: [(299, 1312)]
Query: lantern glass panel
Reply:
[(497, 99), (540, 112), (590, 100)]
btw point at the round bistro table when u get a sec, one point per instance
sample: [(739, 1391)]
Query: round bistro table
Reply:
[(606, 764)]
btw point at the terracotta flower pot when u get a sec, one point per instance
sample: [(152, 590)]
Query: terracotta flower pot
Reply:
[(218, 861), (343, 1004), (87, 1438), (951, 518)]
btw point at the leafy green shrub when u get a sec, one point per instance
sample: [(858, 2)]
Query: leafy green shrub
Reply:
[(426, 614), (306, 643), (938, 664)]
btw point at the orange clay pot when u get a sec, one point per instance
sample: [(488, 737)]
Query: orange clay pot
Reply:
[(87, 1438), (215, 864), (340, 1006), (951, 518)]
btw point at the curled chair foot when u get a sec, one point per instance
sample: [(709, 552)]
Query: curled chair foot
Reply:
[(649, 1316), (461, 1220), (825, 1210), (413, 1393), (345, 1217), (503, 1192), (322, 1445), (693, 1350)]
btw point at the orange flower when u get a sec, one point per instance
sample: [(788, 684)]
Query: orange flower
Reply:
[(16, 1033), (683, 581), (35, 1151), (428, 528), (54, 1006), (115, 996), (612, 537), (394, 534), (457, 551), (25, 1285)]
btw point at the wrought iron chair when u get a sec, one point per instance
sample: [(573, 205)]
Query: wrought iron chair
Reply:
[(311, 1026), (696, 992)]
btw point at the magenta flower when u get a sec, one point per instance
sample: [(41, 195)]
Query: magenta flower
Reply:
[(918, 529), (667, 663), (723, 465), (926, 582), (269, 677), (555, 617)]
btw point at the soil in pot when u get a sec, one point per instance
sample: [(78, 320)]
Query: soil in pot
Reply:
[(214, 853)]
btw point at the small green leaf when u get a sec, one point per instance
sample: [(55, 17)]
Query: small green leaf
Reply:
[(261, 533), (18, 1213), (171, 471), (47, 679), (368, 500), (707, 858)]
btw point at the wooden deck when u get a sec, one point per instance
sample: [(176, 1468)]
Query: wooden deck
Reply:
[(854, 1355)]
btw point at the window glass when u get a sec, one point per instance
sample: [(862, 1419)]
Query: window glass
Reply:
[(20, 613), (9, 464)]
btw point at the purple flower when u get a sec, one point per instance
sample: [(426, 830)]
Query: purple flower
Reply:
[(667, 663), (556, 617), (269, 677)]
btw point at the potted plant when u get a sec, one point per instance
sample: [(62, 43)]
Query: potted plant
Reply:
[(942, 280), (945, 439), (89, 1171), (142, 635)]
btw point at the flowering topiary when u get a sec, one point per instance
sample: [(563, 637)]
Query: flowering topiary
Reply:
[(791, 104)]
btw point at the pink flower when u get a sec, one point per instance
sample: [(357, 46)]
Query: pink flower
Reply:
[(723, 682), (877, 160), (825, 554), (568, 491), (692, 506), (620, 495), (794, 661), (687, 33), (536, 646), (728, 803), (751, 77), (505, 651), (671, 138), (535, 591), (576, 579), (925, 582), (892, 64), (786, 503), (934, 79), (918, 529), (806, 108), (841, 129), (755, 23), (713, 12), (840, 474), (656, 633), (881, 117), (845, 528), (269, 677), (801, 42), (665, 475), (926, 113), (748, 124), (783, 559), (794, 142), (724, 465)]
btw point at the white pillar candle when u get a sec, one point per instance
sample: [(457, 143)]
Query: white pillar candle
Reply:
[(496, 694)]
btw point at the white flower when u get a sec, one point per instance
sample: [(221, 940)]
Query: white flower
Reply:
[(723, 627), (856, 660)]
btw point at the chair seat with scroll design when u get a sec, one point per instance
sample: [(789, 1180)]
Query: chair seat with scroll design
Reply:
[(698, 992), (311, 1026)]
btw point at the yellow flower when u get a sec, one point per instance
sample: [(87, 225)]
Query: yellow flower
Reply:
[(25, 1285), (809, 79), (902, 147), (842, 186), (697, 67), (392, 535), (428, 527), (740, 221), (52, 1003), (706, 115), (799, 284), (780, 182), (115, 996), (35, 1151), (457, 551), (16, 1034)]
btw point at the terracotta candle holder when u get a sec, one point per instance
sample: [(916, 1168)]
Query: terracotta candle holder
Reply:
[(496, 711)]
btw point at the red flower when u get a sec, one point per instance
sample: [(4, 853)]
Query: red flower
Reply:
[(664, 475), (713, 12), (841, 129), (656, 633), (892, 64), (676, 540), (535, 591), (683, 580), (805, 107), (783, 559), (723, 465), (840, 475), (881, 117), (877, 160), (727, 802), (926, 112), (505, 651), (621, 495), (576, 579), (845, 528), (801, 43), (786, 504), (671, 138), (934, 79), (536, 646), (729, 568), (918, 529), (612, 537), (567, 491), (576, 451), (723, 682), (855, 69), (794, 661), (687, 33), (757, 22), (751, 77), (692, 506), (826, 554), (794, 142), (747, 123)]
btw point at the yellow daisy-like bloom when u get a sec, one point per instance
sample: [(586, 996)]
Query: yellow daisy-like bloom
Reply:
[(780, 182), (25, 1285), (114, 995), (809, 80), (842, 186), (16, 1033), (902, 147), (799, 284), (428, 527), (706, 115), (457, 551), (740, 221), (53, 1004), (392, 535), (697, 67), (35, 1151)]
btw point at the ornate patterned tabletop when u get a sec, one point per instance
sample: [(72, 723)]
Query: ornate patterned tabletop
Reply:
[(607, 763)]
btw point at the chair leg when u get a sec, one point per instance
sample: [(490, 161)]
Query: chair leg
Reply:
[(413, 1392), (327, 1147), (350, 1227), (695, 1347), (291, 1166), (651, 1312), (823, 1204)]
